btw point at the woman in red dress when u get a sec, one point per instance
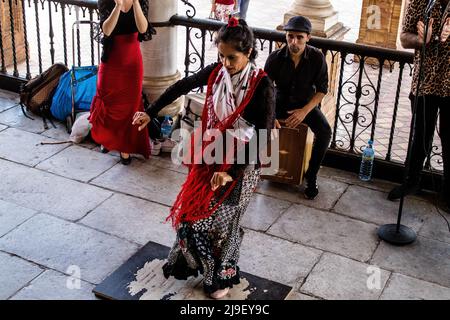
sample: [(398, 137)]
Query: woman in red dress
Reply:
[(119, 87)]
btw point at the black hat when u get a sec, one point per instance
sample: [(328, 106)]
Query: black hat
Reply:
[(298, 24)]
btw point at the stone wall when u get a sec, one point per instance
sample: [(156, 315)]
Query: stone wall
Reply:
[(380, 23)]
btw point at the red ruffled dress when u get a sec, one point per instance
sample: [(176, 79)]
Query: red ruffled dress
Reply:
[(119, 85)]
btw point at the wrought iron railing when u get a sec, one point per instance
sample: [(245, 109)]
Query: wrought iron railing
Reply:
[(372, 86), (370, 90), (46, 26)]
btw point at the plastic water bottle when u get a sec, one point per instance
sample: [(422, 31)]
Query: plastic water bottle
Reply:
[(166, 127), (365, 171)]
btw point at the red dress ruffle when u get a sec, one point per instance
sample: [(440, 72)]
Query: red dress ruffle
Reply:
[(119, 97)]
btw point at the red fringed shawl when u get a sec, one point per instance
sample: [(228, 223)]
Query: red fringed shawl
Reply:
[(194, 200)]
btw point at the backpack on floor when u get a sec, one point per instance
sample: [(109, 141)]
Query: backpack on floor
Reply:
[(74, 93), (36, 95)]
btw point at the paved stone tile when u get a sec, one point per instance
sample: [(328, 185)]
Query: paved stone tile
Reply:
[(59, 244), (3, 127), (267, 257), (372, 206), (78, 163), (14, 117), (263, 211), (24, 147), (46, 192), (143, 180), (52, 285), (165, 161), (352, 178), (329, 192), (340, 175), (327, 231), (425, 259), (7, 99), (9, 95), (112, 153), (280, 191), (60, 133), (133, 219), (435, 227), (299, 296), (15, 273), (339, 278), (402, 287), (12, 215)]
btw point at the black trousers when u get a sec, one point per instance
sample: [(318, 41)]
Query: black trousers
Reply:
[(318, 124), (426, 117)]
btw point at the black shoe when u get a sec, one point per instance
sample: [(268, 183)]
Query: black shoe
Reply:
[(125, 161), (103, 149), (404, 189), (312, 189)]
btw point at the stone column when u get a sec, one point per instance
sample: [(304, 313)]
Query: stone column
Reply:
[(19, 36), (381, 23), (325, 24), (323, 17), (160, 56)]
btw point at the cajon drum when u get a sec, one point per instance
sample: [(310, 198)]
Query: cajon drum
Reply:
[(294, 149), (295, 146)]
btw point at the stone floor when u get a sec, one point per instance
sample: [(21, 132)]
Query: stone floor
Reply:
[(70, 216)]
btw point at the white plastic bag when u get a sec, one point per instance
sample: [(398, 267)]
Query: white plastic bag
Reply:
[(80, 128)]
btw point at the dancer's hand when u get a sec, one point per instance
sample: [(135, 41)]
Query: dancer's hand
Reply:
[(141, 119), (445, 30), (220, 179), (421, 31)]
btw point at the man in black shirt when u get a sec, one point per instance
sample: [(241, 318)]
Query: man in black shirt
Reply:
[(300, 74)]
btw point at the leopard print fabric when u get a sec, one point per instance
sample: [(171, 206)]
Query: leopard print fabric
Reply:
[(436, 79)]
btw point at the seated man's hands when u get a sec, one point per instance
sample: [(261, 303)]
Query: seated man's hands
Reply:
[(141, 119), (296, 117), (274, 133)]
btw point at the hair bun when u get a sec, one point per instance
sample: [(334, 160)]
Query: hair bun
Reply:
[(238, 34)]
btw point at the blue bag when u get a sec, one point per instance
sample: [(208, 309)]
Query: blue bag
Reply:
[(75, 92)]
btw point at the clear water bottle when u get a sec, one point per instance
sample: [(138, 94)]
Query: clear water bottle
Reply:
[(365, 171), (166, 127)]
